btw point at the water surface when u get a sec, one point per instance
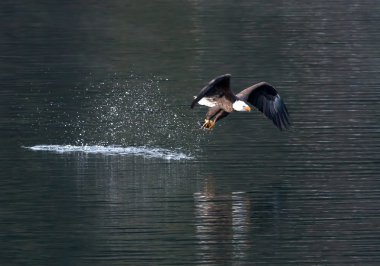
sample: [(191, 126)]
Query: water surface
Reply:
[(103, 162)]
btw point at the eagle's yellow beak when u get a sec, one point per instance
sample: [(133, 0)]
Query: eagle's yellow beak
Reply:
[(248, 109)]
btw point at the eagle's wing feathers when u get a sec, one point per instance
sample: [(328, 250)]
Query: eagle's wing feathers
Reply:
[(216, 88), (266, 99)]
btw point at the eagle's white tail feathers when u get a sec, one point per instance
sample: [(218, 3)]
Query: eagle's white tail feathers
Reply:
[(206, 102)]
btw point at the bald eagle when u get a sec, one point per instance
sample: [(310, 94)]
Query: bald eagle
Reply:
[(217, 95)]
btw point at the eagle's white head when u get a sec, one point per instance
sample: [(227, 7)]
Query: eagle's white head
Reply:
[(241, 106)]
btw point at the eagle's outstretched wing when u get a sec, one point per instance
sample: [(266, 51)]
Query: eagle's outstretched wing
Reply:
[(266, 99), (216, 88)]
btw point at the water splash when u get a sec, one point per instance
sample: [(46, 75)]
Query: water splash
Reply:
[(134, 111), (127, 111), (145, 152)]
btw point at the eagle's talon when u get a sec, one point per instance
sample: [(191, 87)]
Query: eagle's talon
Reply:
[(208, 124)]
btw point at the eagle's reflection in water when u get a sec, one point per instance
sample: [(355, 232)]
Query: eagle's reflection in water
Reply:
[(222, 224)]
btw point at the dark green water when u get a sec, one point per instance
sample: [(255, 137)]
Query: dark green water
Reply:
[(118, 75)]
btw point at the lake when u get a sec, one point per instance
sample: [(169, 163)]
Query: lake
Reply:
[(104, 163)]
